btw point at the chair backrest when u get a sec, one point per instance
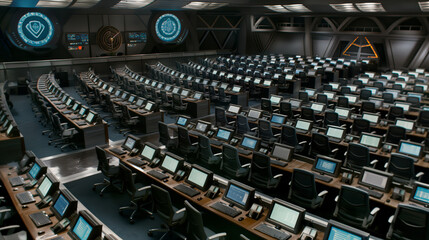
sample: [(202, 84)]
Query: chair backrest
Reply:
[(183, 137), (415, 101), (303, 96), (353, 205), (164, 96), (266, 105), (128, 179), (395, 134), (265, 130), (410, 222), (230, 160), (346, 90), (242, 124), (402, 167), (361, 125), (164, 135), (260, 170), (195, 225), (367, 106), (204, 148), (397, 87), (288, 136), (103, 161), (379, 85), (423, 119), (177, 100), (303, 187), (419, 89), (322, 98), (395, 112), (387, 97), (220, 116), (162, 203), (320, 144), (357, 157), (286, 109), (343, 102), (308, 114), (365, 94), (331, 118), (327, 87)]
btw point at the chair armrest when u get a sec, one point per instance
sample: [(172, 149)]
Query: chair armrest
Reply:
[(194, 144), (374, 211), (278, 176), (277, 135), (322, 193), (335, 150), (374, 162), (232, 122), (9, 227), (386, 165), (345, 154), (247, 165), (320, 120), (419, 175), (63, 124), (276, 110), (136, 117), (303, 142), (336, 198), (242, 237), (296, 115), (218, 154), (344, 125), (143, 188), (254, 129), (181, 210), (390, 220), (217, 236)]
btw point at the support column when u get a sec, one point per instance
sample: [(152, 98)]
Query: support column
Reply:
[(308, 41)]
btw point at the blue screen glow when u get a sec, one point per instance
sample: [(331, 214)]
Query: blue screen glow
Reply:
[(325, 165), (35, 29), (421, 194), (61, 205), (168, 27), (237, 194), (34, 170), (340, 234), (82, 229)]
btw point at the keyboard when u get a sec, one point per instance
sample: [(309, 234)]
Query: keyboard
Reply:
[(278, 163), (118, 151), (323, 178), (16, 181), (192, 132), (186, 190), (141, 111), (225, 209), (372, 193), (67, 112), (215, 142), (81, 123), (157, 174), (25, 197), (136, 161), (243, 151), (337, 140), (133, 107), (371, 149), (272, 232), (40, 219), (75, 117), (62, 106)]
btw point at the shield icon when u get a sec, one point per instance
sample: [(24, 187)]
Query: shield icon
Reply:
[(35, 28)]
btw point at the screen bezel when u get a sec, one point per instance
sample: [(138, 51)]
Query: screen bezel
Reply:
[(233, 105), (96, 226), (413, 192), (182, 116), (224, 129), (291, 153), (389, 176), (71, 208), (296, 208), (413, 143), (278, 115), (337, 167), (304, 120), (179, 164), (336, 127), (258, 141), (373, 135), (251, 191), (208, 126), (55, 183), (153, 146), (208, 181), (135, 143), (332, 223), (42, 170)]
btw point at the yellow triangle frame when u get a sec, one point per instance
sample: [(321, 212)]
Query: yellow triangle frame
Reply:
[(361, 46)]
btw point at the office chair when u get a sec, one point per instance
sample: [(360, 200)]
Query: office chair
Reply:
[(387, 97), (205, 153), (379, 85), (288, 137), (266, 106), (395, 134), (320, 145), (286, 109), (353, 207), (357, 156), (128, 121), (345, 90), (265, 132), (260, 173), (140, 194), (165, 102), (169, 215), (423, 119), (327, 87), (220, 117), (418, 89), (303, 96), (185, 146), (254, 92), (223, 98), (178, 105), (165, 138), (365, 94), (308, 114), (395, 112), (303, 191), (360, 125), (343, 102), (110, 172), (212, 93), (66, 134), (323, 98), (230, 163), (410, 222), (367, 106), (331, 118), (402, 168), (12, 233), (195, 228), (242, 126)]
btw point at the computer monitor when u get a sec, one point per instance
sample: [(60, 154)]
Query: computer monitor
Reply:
[(202, 126), (124, 95), (224, 85), (375, 179), (197, 95), (184, 93), (420, 193), (91, 117), (234, 109), (353, 88), (343, 113), (326, 165), (278, 118), (131, 98), (150, 106), (275, 99), (48, 185), (310, 91), (370, 140), (334, 85), (37, 170), (82, 111), (335, 132), (411, 148), (352, 98), (139, 102), (239, 194), (289, 76), (257, 81), (339, 231), (394, 92), (318, 107), (267, 82), (176, 90), (85, 227), (149, 151), (373, 90), (250, 142), (75, 106), (236, 89), (304, 125), (171, 163), (405, 106), (69, 101), (130, 142), (224, 134), (64, 98), (199, 177), (64, 204), (378, 102), (282, 152), (329, 94), (286, 215), (182, 121), (373, 118), (405, 123), (295, 103), (253, 113), (110, 90)]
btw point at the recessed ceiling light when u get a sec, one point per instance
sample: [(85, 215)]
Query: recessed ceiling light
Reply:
[(344, 7), (297, 8), (54, 3), (276, 8), (424, 6), (131, 4), (370, 7), (204, 5), (5, 2), (84, 3)]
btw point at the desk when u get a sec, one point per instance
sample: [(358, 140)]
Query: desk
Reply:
[(198, 108), (241, 98)]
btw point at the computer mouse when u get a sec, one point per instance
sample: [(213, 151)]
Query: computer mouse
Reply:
[(388, 200), (24, 206), (165, 180), (240, 218), (15, 189), (40, 232), (199, 199)]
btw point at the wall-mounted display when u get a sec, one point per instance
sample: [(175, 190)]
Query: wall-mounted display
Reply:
[(136, 37), (76, 41), (169, 28)]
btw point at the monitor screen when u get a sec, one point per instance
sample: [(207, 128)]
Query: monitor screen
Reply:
[(234, 109), (339, 231), (282, 152), (405, 106), (124, 95), (420, 193), (61, 205), (148, 106), (9, 129), (373, 90), (275, 100), (335, 132), (182, 121), (201, 126), (352, 98), (148, 152), (353, 88), (310, 92), (342, 112), (376, 179), (236, 89), (131, 98), (289, 76), (286, 215), (199, 177), (176, 90), (69, 101), (90, 117), (372, 118), (407, 124), (110, 89), (318, 107), (277, 118), (139, 102), (267, 82), (44, 187), (249, 143), (223, 134), (170, 163), (370, 140), (334, 85), (239, 194), (303, 125), (75, 106), (295, 103), (410, 148), (197, 95), (330, 95), (34, 171), (129, 143), (254, 113), (82, 229), (82, 111), (184, 93), (326, 165), (394, 92)]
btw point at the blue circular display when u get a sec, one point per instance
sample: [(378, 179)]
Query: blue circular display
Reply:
[(35, 29), (168, 27)]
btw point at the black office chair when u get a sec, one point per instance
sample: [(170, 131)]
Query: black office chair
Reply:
[(415, 101), (395, 134), (345, 90), (387, 97), (212, 93), (343, 102), (178, 105), (367, 106), (220, 117), (308, 114), (195, 229), (322, 98), (353, 207), (418, 89), (260, 173), (327, 87), (320, 145), (360, 125), (286, 109), (303, 191), (205, 153), (357, 157), (289, 137), (110, 172), (331, 118), (410, 222), (303, 96), (165, 102), (254, 92), (265, 132), (395, 112), (185, 146), (165, 138), (223, 98), (266, 106), (365, 94), (12, 232), (242, 126), (402, 168), (169, 215), (423, 119), (230, 163), (379, 85), (140, 194)]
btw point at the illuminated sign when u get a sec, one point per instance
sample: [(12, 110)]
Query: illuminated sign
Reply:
[(35, 29), (168, 27)]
